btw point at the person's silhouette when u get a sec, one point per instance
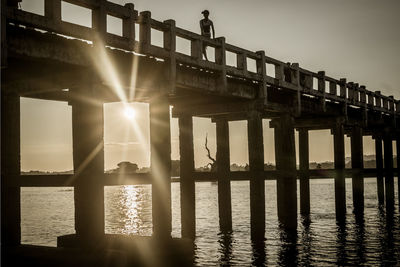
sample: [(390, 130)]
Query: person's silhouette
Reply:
[(206, 25)]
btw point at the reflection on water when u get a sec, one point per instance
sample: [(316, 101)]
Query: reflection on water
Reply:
[(371, 238)]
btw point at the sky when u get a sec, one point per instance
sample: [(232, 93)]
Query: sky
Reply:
[(358, 40)]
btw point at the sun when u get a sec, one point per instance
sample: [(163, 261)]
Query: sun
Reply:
[(130, 113)]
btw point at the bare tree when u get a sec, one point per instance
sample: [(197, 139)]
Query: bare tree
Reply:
[(213, 165)]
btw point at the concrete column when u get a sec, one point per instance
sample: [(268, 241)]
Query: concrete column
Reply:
[(223, 169), (160, 143), (10, 170), (388, 159), (398, 165), (285, 155), (357, 164), (256, 164), (88, 157), (339, 158), (187, 184), (379, 170), (304, 167)]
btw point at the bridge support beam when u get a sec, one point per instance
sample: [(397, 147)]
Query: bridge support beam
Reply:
[(339, 158), (389, 183), (88, 161), (10, 170), (379, 170), (304, 167), (256, 164), (187, 184), (285, 155), (160, 146), (357, 164), (223, 168)]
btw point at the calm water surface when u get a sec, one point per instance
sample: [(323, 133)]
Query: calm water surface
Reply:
[(320, 241)]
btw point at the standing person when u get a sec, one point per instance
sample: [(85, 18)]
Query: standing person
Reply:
[(206, 25)]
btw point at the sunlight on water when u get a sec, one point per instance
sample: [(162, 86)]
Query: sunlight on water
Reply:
[(371, 240)]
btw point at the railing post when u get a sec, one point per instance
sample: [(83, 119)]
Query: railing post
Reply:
[(378, 99), (350, 92), (343, 95), (241, 59), (279, 72), (262, 71), (144, 31), (332, 88), (296, 80), (99, 23), (52, 10), (196, 49), (170, 46), (128, 25), (321, 88), (220, 59), (356, 94), (385, 103)]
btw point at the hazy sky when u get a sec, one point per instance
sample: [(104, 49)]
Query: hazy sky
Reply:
[(358, 40)]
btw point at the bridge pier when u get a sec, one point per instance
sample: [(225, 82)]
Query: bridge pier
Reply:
[(304, 168), (257, 186), (285, 155), (379, 170), (339, 162), (187, 184), (160, 158), (10, 170), (357, 164), (388, 159), (88, 161), (398, 165), (223, 169)]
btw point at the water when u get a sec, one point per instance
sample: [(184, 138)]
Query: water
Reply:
[(320, 241)]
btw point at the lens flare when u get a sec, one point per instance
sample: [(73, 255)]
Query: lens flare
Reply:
[(130, 113)]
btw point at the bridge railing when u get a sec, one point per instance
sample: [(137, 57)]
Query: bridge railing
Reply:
[(284, 75)]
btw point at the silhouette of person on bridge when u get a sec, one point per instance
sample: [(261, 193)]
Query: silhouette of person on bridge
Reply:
[(206, 25)]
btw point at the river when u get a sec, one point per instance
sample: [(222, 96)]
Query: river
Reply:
[(372, 240)]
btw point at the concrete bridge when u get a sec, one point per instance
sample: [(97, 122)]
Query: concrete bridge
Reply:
[(45, 57)]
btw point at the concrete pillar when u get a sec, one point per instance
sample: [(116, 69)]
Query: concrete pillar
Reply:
[(187, 184), (339, 158), (357, 164), (160, 143), (88, 160), (10, 170), (304, 167), (379, 170), (389, 183), (398, 165), (285, 155), (256, 164), (223, 169)]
